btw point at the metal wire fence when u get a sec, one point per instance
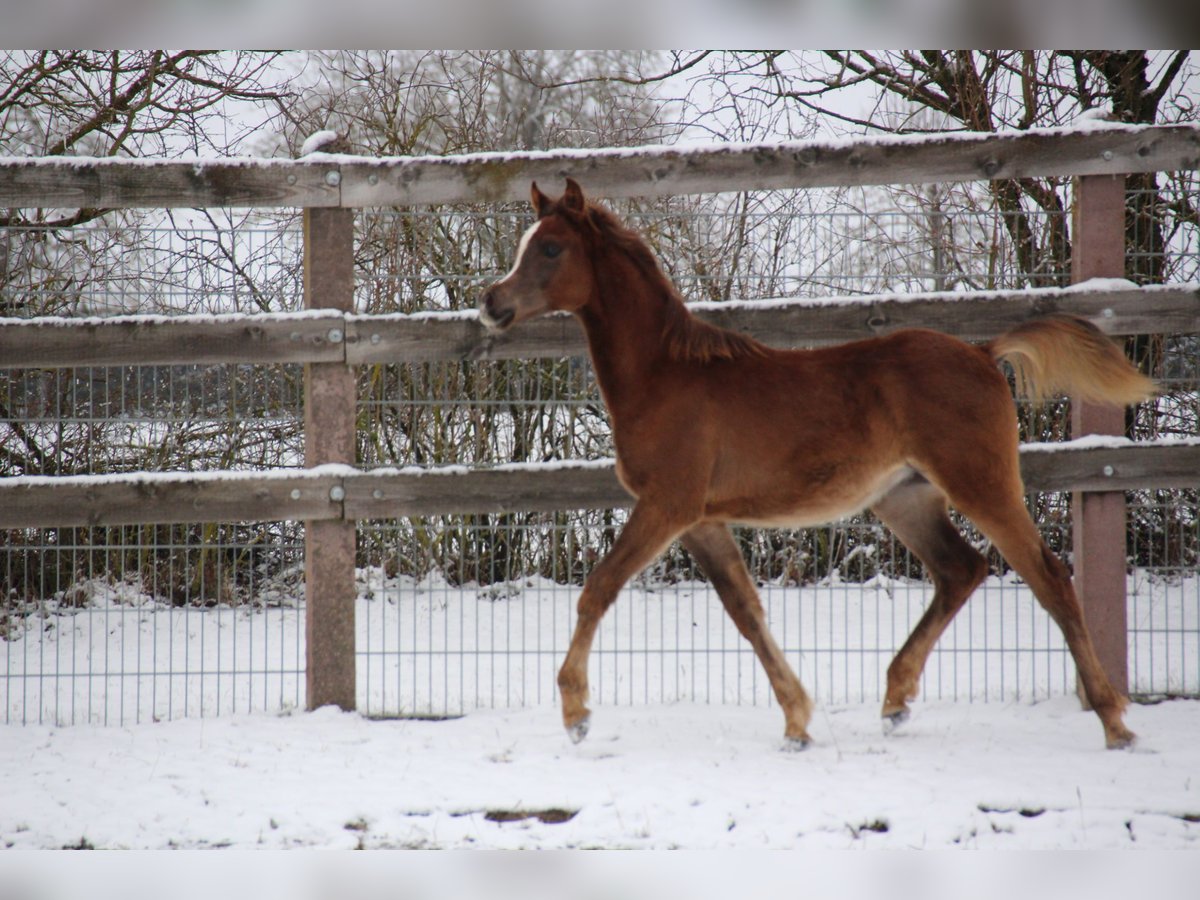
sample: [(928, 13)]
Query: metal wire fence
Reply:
[(143, 623), (138, 623), (430, 645)]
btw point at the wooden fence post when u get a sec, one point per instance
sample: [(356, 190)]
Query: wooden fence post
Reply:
[(329, 416), (1098, 251)]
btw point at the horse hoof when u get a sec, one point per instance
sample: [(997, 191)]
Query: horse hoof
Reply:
[(1126, 741), (796, 744), (578, 731), (892, 721)]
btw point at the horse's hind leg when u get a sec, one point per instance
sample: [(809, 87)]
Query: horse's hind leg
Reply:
[(989, 493), (718, 556), (915, 511), (1015, 535)]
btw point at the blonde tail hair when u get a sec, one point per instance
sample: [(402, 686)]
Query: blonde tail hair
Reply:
[(1064, 354)]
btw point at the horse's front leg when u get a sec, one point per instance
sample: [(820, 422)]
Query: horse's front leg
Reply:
[(713, 548), (649, 531)]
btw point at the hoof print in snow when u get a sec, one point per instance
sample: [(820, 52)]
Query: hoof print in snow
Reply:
[(552, 816)]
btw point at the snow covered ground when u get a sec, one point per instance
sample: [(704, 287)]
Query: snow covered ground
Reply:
[(684, 775), (685, 750)]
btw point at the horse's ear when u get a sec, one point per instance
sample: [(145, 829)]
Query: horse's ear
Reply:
[(573, 198), (541, 203)]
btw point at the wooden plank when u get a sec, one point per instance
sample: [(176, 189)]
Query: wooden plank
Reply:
[(1125, 468), (427, 492), (161, 498), (657, 172), (330, 392), (297, 338), (1098, 518), (976, 316), (182, 340), (428, 338), (146, 498), (391, 493), (329, 180), (329, 594), (800, 323), (116, 183)]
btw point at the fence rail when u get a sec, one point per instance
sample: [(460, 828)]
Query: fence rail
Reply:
[(322, 336), (340, 492), (337, 180)]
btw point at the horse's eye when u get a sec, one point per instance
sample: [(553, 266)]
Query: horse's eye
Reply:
[(551, 250)]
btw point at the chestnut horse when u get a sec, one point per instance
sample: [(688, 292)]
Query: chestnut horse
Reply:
[(712, 427)]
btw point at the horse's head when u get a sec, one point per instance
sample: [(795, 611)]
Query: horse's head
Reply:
[(553, 269)]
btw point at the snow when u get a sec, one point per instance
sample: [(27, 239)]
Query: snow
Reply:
[(1031, 295), (1103, 285), (341, 470), (310, 149), (333, 316), (315, 141), (692, 774), (326, 470), (959, 775), (1106, 442), (1098, 117)]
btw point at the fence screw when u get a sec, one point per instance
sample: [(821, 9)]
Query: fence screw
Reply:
[(1107, 313), (377, 494), (372, 179), (295, 493), (376, 338), (337, 493), (333, 179), (335, 335), (291, 179), (1109, 471)]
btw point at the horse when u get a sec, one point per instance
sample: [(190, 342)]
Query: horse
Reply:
[(713, 428)]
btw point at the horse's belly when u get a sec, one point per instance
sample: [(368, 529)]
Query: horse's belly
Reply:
[(818, 507)]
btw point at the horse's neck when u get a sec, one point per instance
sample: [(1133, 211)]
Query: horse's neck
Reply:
[(625, 333)]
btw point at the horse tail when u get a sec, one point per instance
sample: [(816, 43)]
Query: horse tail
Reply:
[(1063, 354)]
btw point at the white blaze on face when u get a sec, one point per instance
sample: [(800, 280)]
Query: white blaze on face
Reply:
[(484, 315), (521, 248)]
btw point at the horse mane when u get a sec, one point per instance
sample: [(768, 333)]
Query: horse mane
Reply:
[(686, 338)]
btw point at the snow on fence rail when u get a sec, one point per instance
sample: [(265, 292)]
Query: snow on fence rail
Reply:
[(331, 180), (329, 494), (1120, 308), (345, 493)]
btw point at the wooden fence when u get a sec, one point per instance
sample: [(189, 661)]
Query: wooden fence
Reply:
[(330, 494)]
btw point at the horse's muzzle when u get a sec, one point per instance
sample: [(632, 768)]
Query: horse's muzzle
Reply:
[(493, 319)]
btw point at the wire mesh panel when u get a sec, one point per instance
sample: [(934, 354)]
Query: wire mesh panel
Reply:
[(1164, 594), (1164, 529), (138, 623), (142, 623), (448, 622), (458, 612)]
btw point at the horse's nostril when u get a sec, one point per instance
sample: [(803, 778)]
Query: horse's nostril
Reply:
[(494, 317)]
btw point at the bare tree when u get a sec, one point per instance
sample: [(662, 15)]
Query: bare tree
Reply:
[(130, 103), (113, 103)]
